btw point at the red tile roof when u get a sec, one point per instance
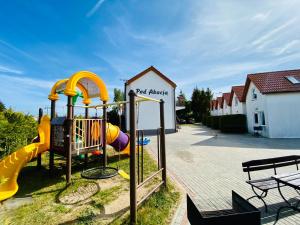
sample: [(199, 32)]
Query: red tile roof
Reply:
[(238, 90), (152, 68), (212, 104), (226, 98), (273, 82), (219, 102)]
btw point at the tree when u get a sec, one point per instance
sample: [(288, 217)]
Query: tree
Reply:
[(196, 103), (208, 98), (113, 115), (181, 99), (2, 107), (200, 103), (16, 129), (118, 95)]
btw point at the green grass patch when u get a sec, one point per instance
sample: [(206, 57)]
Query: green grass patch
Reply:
[(157, 209), (86, 217), (106, 196), (46, 191)]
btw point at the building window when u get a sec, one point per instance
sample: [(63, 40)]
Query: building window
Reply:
[(254, 95), (293, 80), (262, 118), (255, 118), (259, 118), (236, 101)]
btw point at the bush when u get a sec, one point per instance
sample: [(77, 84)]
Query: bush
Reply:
[(233, 123), (16, 130), (190, 121), (212, 121), (204, 120), (209, 121), (215, 121), (114, 118)]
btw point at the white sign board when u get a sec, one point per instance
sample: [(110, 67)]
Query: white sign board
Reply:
[(152, 85)]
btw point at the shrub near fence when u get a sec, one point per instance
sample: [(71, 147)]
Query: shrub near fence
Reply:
[(215, 122), (233, 123), (211, 121), (208, 121), (204, 120)]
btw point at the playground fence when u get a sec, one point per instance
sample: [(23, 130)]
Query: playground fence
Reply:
[(86, 134)]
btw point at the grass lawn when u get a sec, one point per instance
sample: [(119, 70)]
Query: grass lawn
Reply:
[(86, 201)]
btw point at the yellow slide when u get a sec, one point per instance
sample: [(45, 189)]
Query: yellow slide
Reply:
[(11, 165)]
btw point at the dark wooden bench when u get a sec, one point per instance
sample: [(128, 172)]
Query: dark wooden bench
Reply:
[(241, 213), (267, 183)]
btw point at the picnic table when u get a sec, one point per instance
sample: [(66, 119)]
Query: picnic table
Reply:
[(290, 180)]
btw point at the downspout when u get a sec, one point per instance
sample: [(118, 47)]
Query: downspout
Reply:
[(175, 127), (125, 106)]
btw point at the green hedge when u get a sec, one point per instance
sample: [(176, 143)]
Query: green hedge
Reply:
[(233, 123), (209, 121), (227, 123), (215, 122), (204, 120)]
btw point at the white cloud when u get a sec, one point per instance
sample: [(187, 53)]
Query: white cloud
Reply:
[(218, 40), (6, 69), (223, 71), (261, 16), (217, 92), (21, 52), (27, 81), (95, 8), (269, 36), (285, 48)]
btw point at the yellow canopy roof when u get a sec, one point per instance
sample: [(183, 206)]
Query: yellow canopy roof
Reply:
[(88, 83)]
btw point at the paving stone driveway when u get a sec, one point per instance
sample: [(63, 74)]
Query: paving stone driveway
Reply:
[(208, 165)]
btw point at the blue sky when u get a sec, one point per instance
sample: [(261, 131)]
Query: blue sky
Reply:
[(201, 43)]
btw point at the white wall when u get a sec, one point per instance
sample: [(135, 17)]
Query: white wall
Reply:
[(284, 115), (240, 108), (281, 113), (226, 109), (148, 116), (220, 111), (214, 112), (257, 105)]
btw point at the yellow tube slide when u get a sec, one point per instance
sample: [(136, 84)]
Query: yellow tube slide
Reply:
[(112, 133), (11, 165)]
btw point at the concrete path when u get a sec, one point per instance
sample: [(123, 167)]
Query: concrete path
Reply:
[(208, 165)]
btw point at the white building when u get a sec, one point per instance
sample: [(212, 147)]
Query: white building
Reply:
[(219, 106), (238, 106), (273, 103), (213, 108), (226, 104), (152, 83)]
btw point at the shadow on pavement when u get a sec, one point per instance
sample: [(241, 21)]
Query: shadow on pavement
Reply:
[(218, 139)]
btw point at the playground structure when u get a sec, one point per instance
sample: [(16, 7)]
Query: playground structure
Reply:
[(71, 136)]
